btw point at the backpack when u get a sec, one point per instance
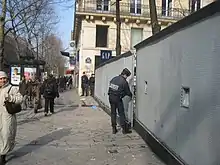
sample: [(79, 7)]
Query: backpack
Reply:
[(49, 89)]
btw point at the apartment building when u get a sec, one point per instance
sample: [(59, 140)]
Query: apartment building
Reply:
[(95, 26)]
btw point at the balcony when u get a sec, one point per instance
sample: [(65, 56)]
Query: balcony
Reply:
[(128, 10)]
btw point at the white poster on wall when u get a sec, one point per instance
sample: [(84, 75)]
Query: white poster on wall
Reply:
[(15, 75)]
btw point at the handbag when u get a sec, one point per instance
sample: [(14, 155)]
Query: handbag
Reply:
[(11, 107)]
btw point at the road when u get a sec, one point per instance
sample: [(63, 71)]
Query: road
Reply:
[(75, 135)]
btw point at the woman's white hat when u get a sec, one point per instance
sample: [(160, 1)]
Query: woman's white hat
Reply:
[(3, 74)]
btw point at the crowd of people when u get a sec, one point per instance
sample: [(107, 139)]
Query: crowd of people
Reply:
[(30, 92), (27, 95), (33, 89)]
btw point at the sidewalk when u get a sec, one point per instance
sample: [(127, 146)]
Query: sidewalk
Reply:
[(76, 135)]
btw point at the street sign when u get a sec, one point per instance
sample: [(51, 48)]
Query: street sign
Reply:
[(88, 60), (106, 54), (72, 44), (72, 61), (72, 52)]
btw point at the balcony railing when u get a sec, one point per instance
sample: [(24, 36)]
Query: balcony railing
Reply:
[(127, 9)]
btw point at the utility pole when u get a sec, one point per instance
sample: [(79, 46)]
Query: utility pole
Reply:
[(153, 16), (118, 24)]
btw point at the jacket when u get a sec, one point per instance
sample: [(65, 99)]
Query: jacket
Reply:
[(119, 87), (50, 83)]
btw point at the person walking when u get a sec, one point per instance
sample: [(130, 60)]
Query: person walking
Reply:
[(35, 93), (23, 89), (119, 88), (8, 122), (50, 92)]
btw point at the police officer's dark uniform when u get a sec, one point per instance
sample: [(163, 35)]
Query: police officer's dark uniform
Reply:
[(92, 84), (84, 84), (119, 88)]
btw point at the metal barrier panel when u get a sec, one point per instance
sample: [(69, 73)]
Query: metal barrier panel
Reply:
[(178, 91)]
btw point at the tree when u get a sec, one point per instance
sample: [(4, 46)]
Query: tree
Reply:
[(2, 31), (23, 19), (54, 60), (183, 10)]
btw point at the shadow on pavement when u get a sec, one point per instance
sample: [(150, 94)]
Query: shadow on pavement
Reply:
[(36, 118), (39, 142)]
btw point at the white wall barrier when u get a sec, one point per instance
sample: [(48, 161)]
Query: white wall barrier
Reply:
[(106, 72), (181, 106)]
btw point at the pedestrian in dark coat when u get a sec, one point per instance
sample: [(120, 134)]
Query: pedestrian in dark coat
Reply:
[(50, 92), (84, 84), (92, 84), (23, 89)]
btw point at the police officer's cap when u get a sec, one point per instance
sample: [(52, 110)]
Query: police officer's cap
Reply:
[(126, 72)]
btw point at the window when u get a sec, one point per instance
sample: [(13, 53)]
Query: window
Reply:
[(167, 7), (136, 36), (101, 36), (194, 5), (135, 6), (102, 5)]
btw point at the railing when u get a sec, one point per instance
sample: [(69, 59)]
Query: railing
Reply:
[(127, 9)]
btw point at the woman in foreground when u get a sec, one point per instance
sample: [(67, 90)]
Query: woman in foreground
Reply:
[(8, 122)]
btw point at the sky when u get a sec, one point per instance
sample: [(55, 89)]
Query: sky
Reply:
[(65, 26)]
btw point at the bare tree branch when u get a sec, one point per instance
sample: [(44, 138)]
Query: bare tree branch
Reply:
[(28, 21)]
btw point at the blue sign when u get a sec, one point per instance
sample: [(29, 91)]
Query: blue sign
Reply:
[(72, 61), (106, 54)]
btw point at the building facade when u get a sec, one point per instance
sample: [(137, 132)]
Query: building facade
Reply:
[(95, 26)]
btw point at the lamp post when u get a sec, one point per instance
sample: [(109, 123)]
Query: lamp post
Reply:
[(118, 24)]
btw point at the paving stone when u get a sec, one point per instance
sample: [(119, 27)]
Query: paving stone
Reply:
[(76, 135)]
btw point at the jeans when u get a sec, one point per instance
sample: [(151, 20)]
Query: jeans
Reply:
[(49, 102), (117, 103), (24, 102)]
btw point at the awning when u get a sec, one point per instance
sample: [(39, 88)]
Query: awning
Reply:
[(69, 71)]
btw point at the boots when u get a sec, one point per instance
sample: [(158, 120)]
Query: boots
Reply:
[(114, 130), (125, 130), (3, 160)]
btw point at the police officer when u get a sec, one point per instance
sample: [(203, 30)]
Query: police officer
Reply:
[(84, 84), (119, 88), (92, 84)]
